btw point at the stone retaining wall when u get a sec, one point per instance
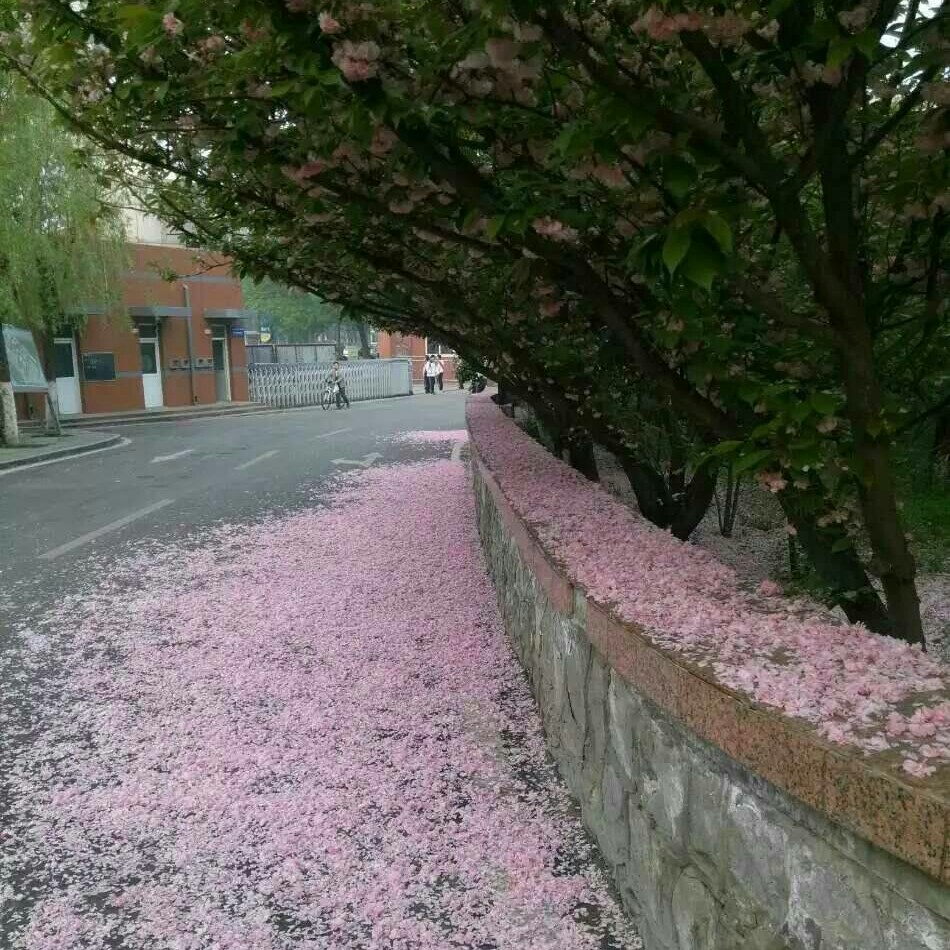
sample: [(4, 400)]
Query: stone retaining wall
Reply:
[(709, 853)]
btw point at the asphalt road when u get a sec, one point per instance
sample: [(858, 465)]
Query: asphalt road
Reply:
[(173, 478)]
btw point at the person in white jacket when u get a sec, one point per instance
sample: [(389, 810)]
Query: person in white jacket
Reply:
[(431, 373)]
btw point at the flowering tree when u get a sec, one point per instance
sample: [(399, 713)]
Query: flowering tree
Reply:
[(737, 214)]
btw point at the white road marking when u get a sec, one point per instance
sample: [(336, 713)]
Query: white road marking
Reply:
[(105, 529), (260, 458), (457, 452), (174, 455), (326, 435), (64, 458), (365, 463)]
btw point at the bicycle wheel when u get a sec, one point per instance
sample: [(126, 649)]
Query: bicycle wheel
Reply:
[(326, 400)]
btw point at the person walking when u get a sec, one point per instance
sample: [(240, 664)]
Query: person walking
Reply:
[(336, 378), (431, 371), (440, 366)]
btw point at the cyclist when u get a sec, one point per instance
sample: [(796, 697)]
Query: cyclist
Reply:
[(336, 379)]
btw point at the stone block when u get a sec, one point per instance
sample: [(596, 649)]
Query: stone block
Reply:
[(651, 874), (665, 787), (695, 913), (830, 905), (613, 834), (705, 821), (754, 845), (595, 741), (624, 714)]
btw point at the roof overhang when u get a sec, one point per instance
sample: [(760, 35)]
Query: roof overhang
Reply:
[(153, 313)]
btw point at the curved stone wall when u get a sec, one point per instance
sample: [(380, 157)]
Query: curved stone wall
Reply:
[(727, 826)]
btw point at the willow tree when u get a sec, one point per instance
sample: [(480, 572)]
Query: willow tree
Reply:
[(738, 210), (61, 243)]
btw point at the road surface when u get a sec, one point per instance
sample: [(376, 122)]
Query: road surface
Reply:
[(249, 706)]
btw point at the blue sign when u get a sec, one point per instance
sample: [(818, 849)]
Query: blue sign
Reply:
[(237, 331)]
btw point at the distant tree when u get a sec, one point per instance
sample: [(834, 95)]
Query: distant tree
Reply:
[(301, 316), (61, 244)]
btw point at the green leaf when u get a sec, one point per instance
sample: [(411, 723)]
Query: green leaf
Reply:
[(824, 403), (839, 49), (678, 176), (868, 43), (132, 13), (702, 264), (725, 448), (842, 544), (720, 231), (675, 248), (799, 411), (494, 225), (751, 461), (778, 7)]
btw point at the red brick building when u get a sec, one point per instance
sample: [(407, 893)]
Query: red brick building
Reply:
[(391, 345), (177, 343)]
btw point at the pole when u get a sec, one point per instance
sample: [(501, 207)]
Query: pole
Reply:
[(191, 345)]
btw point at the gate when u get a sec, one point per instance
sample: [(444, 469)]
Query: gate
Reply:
[(283, 385)]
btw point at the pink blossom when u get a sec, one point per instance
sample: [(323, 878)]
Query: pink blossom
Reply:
[(770, 589), (772, 481), (328, 24), (172, 25), (554, 229), (501, 52), (357, 61), (917, 769)]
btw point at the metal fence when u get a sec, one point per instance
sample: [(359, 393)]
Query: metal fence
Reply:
[(290, 352), (302, 384)]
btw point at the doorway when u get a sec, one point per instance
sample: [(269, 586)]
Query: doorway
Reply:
[(66, 372), (222, 365), (151, 372)]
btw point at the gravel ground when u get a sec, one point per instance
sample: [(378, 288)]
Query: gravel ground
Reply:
[(758, 550)]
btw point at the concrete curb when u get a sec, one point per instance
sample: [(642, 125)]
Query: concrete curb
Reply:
[(104, 423), (62, 454)]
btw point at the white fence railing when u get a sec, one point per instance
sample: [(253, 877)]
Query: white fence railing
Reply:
[(302, 384)]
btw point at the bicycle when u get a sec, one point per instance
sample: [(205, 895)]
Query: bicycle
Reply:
[(329, 397)]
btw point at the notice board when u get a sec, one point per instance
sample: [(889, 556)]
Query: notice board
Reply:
[(26, 369), (98, 367)]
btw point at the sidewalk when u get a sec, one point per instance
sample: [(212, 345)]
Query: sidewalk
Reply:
[(44, 448), (307, 732), (162, 413)]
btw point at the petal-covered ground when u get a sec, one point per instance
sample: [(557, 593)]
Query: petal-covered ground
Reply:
[(856, 688), (307, 732)]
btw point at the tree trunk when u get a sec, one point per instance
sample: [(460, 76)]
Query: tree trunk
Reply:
[(840, 571), (363, 331), (9, 429), (843, 293), (653, 495), (52, 394), (691, 507), (580, 453), (941, 454)]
